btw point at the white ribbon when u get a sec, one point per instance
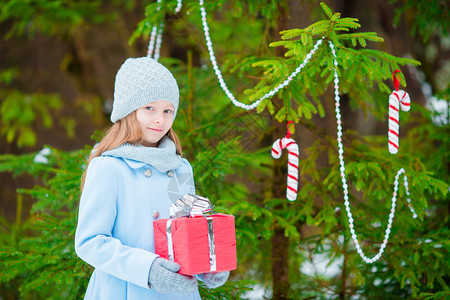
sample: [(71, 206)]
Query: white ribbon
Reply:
[(191, 206)]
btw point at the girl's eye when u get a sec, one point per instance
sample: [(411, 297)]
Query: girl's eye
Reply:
[(168, 111), (149, 107)]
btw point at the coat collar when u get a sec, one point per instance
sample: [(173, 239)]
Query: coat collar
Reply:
[(134, 164)]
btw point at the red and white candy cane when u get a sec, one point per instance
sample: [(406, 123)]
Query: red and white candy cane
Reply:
[(293, 156), (398, 99)]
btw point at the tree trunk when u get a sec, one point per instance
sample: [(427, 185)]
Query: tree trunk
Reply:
[(280, 268), (280, 243)]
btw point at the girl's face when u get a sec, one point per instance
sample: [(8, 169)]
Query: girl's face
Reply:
[(155, 119)]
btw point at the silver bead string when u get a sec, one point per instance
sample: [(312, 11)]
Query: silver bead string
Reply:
[(222, 83), (344, 180), (408, 197), (156, 34), (158, 41), (179, 5), (151, 44)]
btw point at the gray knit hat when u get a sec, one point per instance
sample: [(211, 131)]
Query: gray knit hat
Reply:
[(140, 81)]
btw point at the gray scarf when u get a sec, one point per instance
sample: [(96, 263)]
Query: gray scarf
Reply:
[(163, 157)]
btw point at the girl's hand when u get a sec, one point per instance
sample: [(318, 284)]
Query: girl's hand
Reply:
[(163, 278), (214, 280)]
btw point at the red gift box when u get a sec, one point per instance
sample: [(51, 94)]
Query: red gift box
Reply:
[(192, 240)]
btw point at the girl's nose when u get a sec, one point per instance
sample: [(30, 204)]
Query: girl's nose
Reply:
[(159, 118)]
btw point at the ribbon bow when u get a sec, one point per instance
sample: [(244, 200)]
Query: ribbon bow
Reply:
[(191, 206)]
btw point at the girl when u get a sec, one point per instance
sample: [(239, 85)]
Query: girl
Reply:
[(126, 187)]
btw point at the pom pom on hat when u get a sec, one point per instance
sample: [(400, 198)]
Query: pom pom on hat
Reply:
[(140, 81)]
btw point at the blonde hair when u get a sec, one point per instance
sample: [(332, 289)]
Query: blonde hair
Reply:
[(125, 130)]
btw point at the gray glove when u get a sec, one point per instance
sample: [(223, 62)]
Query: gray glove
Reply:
[(163, 278), (214, 280)]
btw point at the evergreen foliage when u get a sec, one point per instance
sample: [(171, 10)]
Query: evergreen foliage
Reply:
[(426, 17), (44, 257), (19, 111), (221, 141), (51, 17)]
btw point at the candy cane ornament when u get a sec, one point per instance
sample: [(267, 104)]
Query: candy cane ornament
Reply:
[(398, 99), (293, 156)]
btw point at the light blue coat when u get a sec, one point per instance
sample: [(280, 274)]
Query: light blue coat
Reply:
[(120, 200)]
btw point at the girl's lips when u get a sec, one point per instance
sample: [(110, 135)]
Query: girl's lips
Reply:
[(154, 129)]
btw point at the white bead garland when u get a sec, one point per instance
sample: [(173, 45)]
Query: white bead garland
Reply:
[(344, 180), (157, 32), (156, 35), (158, 41), (219, 73), (151, 44), (408, 197), (178, 8)]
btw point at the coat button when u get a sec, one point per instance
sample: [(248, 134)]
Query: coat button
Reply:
[(148, 173), (170, 173), (155, 214)]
